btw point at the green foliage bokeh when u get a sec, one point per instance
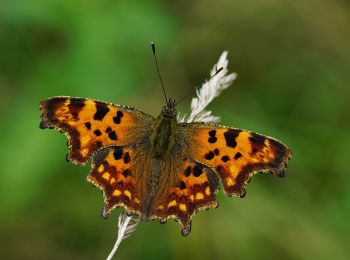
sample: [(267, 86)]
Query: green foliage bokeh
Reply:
[(292, 60)]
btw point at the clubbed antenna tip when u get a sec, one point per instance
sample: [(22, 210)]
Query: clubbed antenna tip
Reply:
[(160, 78), (153, 48)]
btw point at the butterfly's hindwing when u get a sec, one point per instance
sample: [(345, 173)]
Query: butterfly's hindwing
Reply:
[(113, 171), (193, 187)]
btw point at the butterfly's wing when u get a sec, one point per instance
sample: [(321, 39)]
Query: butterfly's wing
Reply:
[(120, 173), (234, 154), (191, 186), (203, 155), (91, 125)]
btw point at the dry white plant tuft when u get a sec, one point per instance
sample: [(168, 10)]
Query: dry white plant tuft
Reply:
[(209, 90)]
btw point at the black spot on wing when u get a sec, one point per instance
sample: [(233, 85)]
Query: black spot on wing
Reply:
[(212, 138), (126, 157), (112, 135), (188, 171), (237, 155), (225, 158), (118, 153), (209, 156), (197, 170), (230, 137), (126, 173), (212, 132), (97, 132), (116, 120), (101, 111), (88, 125), (182, 185), (118, 117)]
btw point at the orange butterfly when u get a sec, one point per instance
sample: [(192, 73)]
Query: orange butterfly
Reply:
[(158, 168)]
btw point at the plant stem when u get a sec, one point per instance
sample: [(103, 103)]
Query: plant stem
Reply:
[(121, 232)]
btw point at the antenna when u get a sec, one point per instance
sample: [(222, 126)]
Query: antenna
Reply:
[(160, 78), (216, 73), (182, 99)]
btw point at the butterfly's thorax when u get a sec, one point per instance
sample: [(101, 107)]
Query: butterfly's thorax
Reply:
[(162, 139)]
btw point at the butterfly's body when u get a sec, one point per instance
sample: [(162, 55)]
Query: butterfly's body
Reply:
[(158, 168), (161, 145)]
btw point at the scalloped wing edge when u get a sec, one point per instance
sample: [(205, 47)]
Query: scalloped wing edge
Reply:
[(45, 123)]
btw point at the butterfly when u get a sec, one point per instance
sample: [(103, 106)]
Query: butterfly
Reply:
[(156, 167)]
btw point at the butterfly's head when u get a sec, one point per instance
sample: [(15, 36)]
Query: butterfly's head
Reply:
[(169, 109)]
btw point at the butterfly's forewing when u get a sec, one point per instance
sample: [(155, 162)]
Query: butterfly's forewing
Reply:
[(234, 154), (91, 125)]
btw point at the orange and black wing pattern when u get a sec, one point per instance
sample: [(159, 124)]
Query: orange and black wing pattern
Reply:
[(234, 154), (114, 172), (193, 188), (91, 125)]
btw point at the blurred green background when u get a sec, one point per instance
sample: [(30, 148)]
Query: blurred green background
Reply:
[(292, 60)]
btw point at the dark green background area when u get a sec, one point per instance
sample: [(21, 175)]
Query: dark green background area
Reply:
[(292, 60)]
